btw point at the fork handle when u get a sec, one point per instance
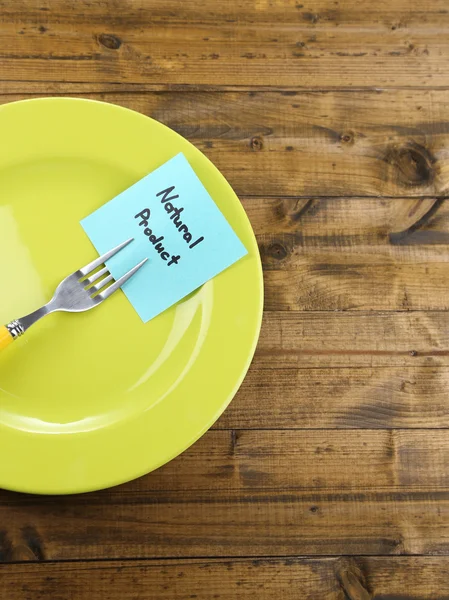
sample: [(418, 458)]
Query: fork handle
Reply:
[(10, 332), (5, 337)]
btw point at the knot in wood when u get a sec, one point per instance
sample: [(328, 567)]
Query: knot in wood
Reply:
[(352, 580), (277, 251), (256, 143), (112, 42), (413, 163), (347, 138)]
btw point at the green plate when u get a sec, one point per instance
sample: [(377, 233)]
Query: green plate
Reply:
[(91, 400)]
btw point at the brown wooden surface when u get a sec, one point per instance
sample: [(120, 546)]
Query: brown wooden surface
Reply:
[(259, 42), (360, 578), (389, 143), (328, 476)]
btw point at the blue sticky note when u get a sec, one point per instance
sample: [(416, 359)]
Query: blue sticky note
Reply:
[(176, 225)]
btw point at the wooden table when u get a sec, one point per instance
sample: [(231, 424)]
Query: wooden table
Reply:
[(328, 476)]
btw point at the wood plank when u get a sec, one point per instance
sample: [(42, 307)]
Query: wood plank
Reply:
[(172, 580), (355, 338), (359, 287), (311, 144), (278, 394), (358, 578), (252, 494), (353, 253), (369, 231), (255, 11), (261, 43), (198, 524), (311, 461)]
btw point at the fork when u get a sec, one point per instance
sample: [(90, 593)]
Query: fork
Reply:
[(76, 293)]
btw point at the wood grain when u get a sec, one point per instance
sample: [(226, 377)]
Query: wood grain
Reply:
[(355, 44), (358, 287), (357, 338), (309, 461), (253, 494), (370, 231), (353, 253), (278, 393), (312, 144), (358, 578), (196, 524)]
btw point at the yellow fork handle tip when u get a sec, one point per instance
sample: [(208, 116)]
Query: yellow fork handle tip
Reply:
[(5, 337)]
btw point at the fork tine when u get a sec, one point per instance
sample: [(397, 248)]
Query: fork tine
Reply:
[(118, 284), (101, 259), (93, 278), (99, 286)]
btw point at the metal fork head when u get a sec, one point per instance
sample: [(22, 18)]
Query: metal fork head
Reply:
[(82, 290), (86, 288)]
